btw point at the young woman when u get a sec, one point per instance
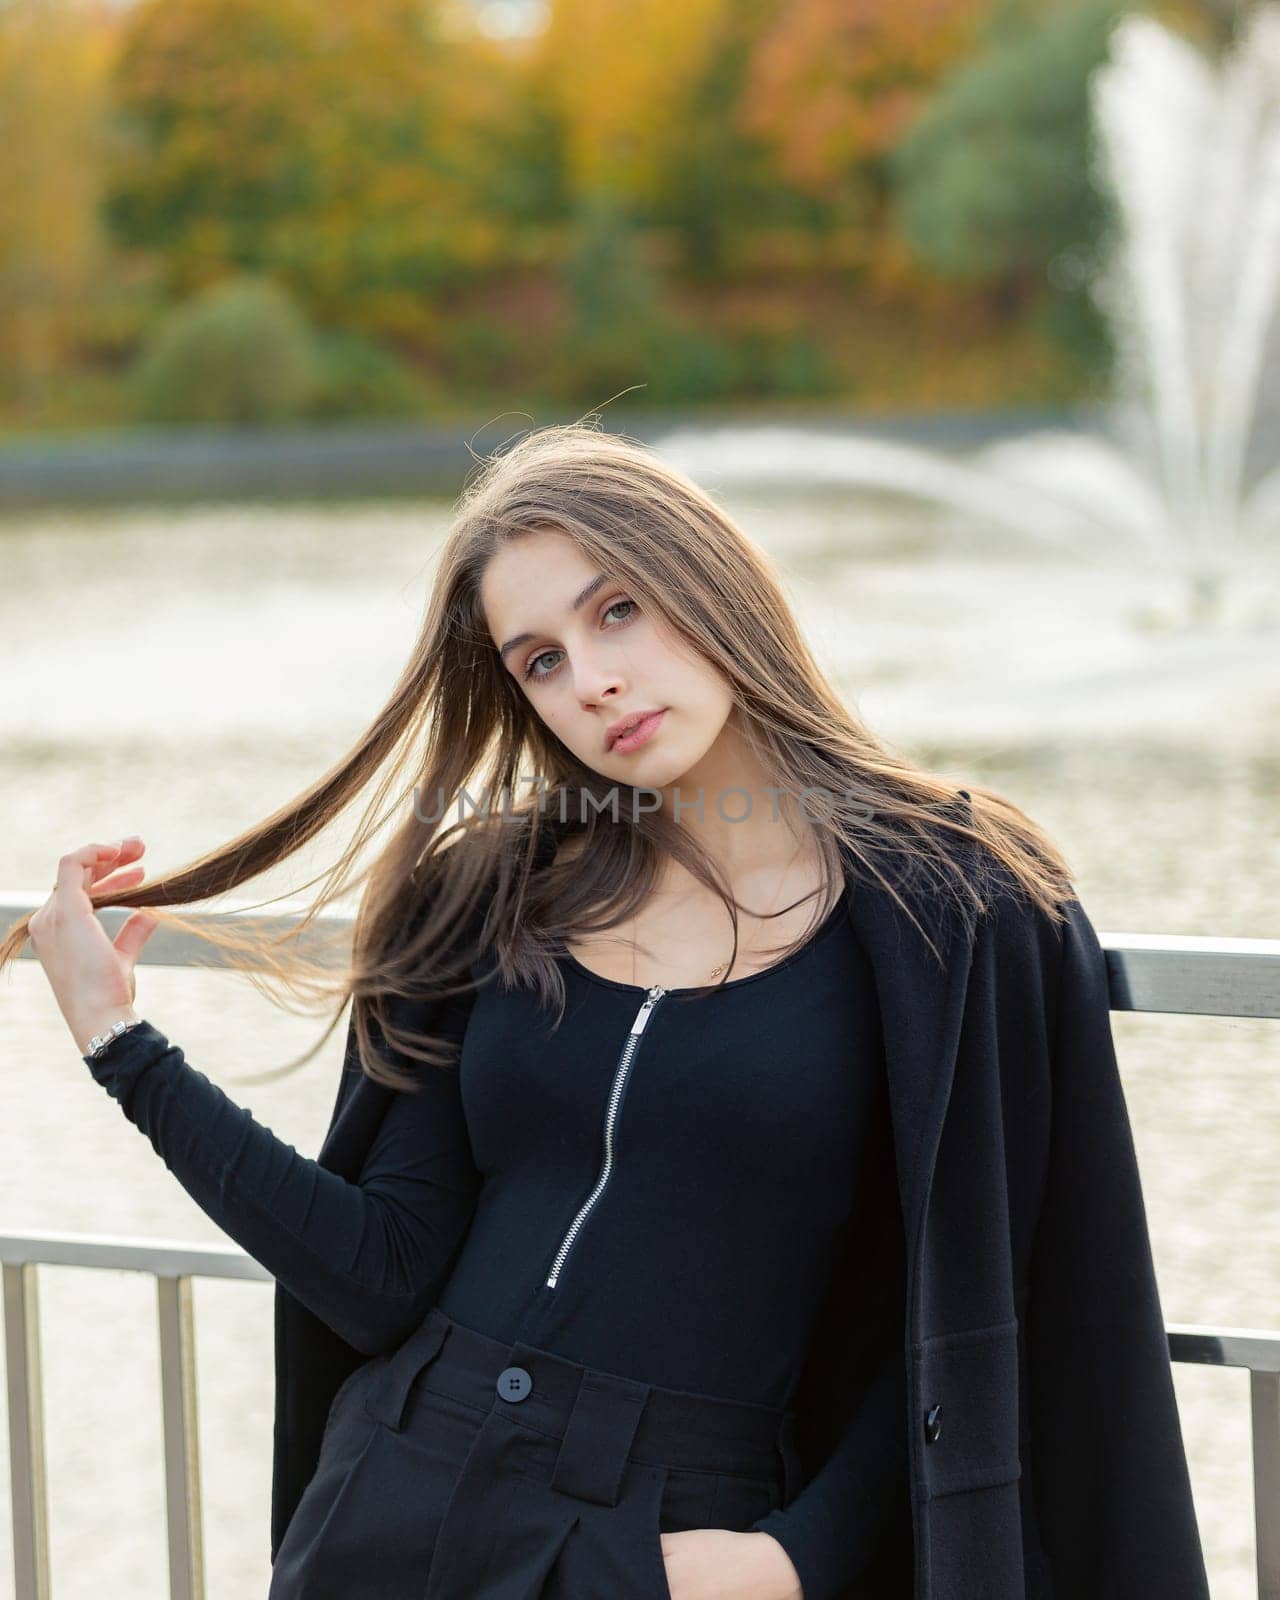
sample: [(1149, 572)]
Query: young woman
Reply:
[(729, 1193)]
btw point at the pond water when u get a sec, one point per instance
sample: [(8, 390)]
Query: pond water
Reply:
[(181, 673)]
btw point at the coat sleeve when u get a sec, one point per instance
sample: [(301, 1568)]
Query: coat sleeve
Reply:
[(1110, 1477)]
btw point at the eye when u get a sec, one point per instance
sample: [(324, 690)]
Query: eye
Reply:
[(540, 677)]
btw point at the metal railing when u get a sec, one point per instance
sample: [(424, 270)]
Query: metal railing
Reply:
[(173, 1266), (1148, 972)]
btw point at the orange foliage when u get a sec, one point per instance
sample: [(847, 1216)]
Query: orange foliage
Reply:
[(834, 83)]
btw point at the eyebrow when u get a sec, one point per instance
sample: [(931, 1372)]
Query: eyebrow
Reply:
[(579, 600)]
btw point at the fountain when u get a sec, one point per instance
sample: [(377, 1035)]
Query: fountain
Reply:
[(1189, 152)]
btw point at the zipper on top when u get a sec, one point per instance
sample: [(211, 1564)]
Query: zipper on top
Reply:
[(642, 1016)]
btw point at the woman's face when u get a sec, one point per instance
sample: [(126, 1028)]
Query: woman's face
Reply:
[(584, 655)]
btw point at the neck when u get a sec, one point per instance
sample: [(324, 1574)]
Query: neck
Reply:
[(732, 805)]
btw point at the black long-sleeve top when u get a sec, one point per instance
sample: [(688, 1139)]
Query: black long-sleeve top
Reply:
[(661, 1186)]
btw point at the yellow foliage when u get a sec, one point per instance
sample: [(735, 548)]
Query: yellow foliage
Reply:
[(55, 60), (618, 72), (343, 146)]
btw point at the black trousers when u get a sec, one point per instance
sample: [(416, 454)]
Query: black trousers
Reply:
[(460, 1468)]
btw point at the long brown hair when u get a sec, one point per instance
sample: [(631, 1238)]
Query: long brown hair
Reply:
[(439, 895)]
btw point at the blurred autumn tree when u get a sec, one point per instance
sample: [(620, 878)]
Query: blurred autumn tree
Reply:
[(618, 74), (54, 65), (458, 215), (718, 181), (645, 95), (834, 83), (993, 181), (359, 151)]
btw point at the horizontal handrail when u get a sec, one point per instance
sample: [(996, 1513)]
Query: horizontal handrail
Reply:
[(1258, 1349), (1255, 1348), (1181, 973), (174, 947), (162, 1258)]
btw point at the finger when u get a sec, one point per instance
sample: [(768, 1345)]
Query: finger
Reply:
[(118, 855), (78, 868), (125, 878), (134, 934)]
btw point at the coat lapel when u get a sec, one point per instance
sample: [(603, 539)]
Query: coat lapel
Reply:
[(921, 1008), (357, 1112)]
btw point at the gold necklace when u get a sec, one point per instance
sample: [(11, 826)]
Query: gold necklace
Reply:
[(716, 971)]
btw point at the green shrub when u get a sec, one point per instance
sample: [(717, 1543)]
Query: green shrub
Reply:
[(479, 353), (690, 364), (663, 361), (361, 378), (608, 280), (771, 361), (238, 352), (993, 178), (622, 332)]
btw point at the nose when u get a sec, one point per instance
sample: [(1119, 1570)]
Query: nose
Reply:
[(598, 685)]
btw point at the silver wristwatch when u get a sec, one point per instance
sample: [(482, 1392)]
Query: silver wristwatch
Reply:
[(100, 1041)]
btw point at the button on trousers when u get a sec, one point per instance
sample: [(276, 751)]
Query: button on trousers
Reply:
[(461, 1468)]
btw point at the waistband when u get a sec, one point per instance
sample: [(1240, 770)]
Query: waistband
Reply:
[(549, 1393)]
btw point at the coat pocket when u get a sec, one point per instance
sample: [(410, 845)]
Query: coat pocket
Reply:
[(966, 1389)]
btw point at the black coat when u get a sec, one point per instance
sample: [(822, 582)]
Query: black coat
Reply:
[(1045, 1451)]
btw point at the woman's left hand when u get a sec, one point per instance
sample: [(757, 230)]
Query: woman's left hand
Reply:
[(91, 975), (718, 1564)]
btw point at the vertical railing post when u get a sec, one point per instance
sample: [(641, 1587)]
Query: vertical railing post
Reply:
[(181, 1438), (1264, 1403), (27, 1476)]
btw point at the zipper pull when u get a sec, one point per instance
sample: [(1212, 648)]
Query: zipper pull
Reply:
[(642, 1016)]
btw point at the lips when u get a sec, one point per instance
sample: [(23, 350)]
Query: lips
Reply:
[(644, 724)]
